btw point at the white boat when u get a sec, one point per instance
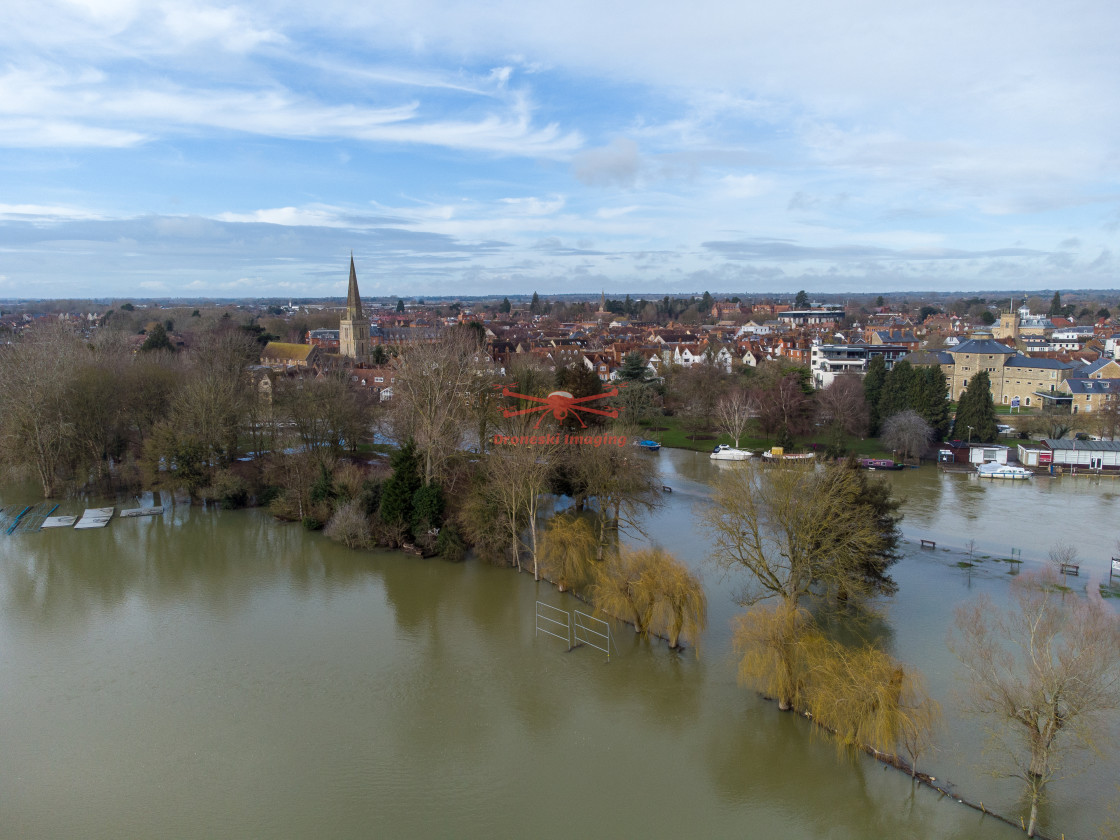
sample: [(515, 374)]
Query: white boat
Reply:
[(993, 469), (723, 452), (771, 455)]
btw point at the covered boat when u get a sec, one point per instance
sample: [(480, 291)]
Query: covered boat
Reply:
[(723, 452), (991, 469)]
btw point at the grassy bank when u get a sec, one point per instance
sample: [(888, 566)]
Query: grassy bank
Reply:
[(673, 433)]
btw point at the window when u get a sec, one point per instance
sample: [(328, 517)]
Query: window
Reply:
[(1028, 400)]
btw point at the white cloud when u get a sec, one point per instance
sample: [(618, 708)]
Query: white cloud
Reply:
[(29, 133), (616, 164), (743, 186), (80, 103), (533, 206), (44, 213), (190, 24)]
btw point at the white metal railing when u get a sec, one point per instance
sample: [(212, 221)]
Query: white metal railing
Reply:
[(549, 621), (588, 632)]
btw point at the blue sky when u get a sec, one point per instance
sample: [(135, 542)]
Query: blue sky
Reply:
[(173, 148)]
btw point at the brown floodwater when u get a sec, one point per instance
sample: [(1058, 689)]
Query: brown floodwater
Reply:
[(219, 674)]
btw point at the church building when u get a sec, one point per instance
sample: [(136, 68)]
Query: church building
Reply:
[(353, 329)]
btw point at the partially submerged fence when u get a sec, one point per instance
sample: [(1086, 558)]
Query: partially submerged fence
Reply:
[(575, 629)]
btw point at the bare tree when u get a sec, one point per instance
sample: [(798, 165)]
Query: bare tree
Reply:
[(784, 408), (516, 480), (699, 388), (733, 412), (435, 386), (1042, 673), (325, 413), (842, 409), (907, 434), (36, 428), (1062, 555), (1106, 420), (621, 484), (799, 534)]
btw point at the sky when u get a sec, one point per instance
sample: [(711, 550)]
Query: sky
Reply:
[(174, 148)]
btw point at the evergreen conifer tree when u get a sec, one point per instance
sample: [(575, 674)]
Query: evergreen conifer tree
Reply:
[(934, 403), (899, 390), (397, 493), (873, 389), (1056, 305), (977, 410), (157, 340), (633, 368)]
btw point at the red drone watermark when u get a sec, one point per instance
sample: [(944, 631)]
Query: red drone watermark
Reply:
[(561, 404)]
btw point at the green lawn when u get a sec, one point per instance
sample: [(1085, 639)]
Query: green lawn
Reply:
[(675, 435)]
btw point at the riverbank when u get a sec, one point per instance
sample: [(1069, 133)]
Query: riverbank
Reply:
[(230, 675)]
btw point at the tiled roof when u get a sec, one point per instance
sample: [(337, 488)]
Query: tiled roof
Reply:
[(987, 346), (1037, 362), (1084, 445), (284, 350), (1094, 386)]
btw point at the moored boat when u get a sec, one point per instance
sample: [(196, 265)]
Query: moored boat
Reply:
[(995, 470), (651, 445), (778, 454), (724, 452), (879, 464)]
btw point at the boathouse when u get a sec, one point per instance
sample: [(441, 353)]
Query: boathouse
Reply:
[(1088, 455)]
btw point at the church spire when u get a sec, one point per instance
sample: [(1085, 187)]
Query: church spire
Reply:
[(353, 330), (353, 299)]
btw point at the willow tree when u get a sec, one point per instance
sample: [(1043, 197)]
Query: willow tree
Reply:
[(622, 588), (799, 534), (867, 699), (680, 607), (568, 551), (1043, 673)]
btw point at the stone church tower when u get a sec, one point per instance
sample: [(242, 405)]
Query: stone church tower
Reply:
[(353, 330)]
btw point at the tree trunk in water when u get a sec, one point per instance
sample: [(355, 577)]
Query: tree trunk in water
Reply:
[(1038, 758), (1034, 816), (533, 540)]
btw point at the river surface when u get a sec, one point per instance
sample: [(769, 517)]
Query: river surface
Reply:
[(219, 674)]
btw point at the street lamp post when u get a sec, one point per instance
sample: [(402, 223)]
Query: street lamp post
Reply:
[(970, 435)]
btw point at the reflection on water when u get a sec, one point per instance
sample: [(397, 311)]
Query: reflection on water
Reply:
[(209, 673)]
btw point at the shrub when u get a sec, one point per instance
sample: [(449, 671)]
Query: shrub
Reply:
[(450, 544), (227, 489), (349, 480), (350, 525)]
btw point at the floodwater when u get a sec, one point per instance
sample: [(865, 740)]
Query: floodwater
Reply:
[(219, 674)]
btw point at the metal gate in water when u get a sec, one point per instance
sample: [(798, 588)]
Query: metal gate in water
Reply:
[(575, 628), (593, 632), (550, 619)]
